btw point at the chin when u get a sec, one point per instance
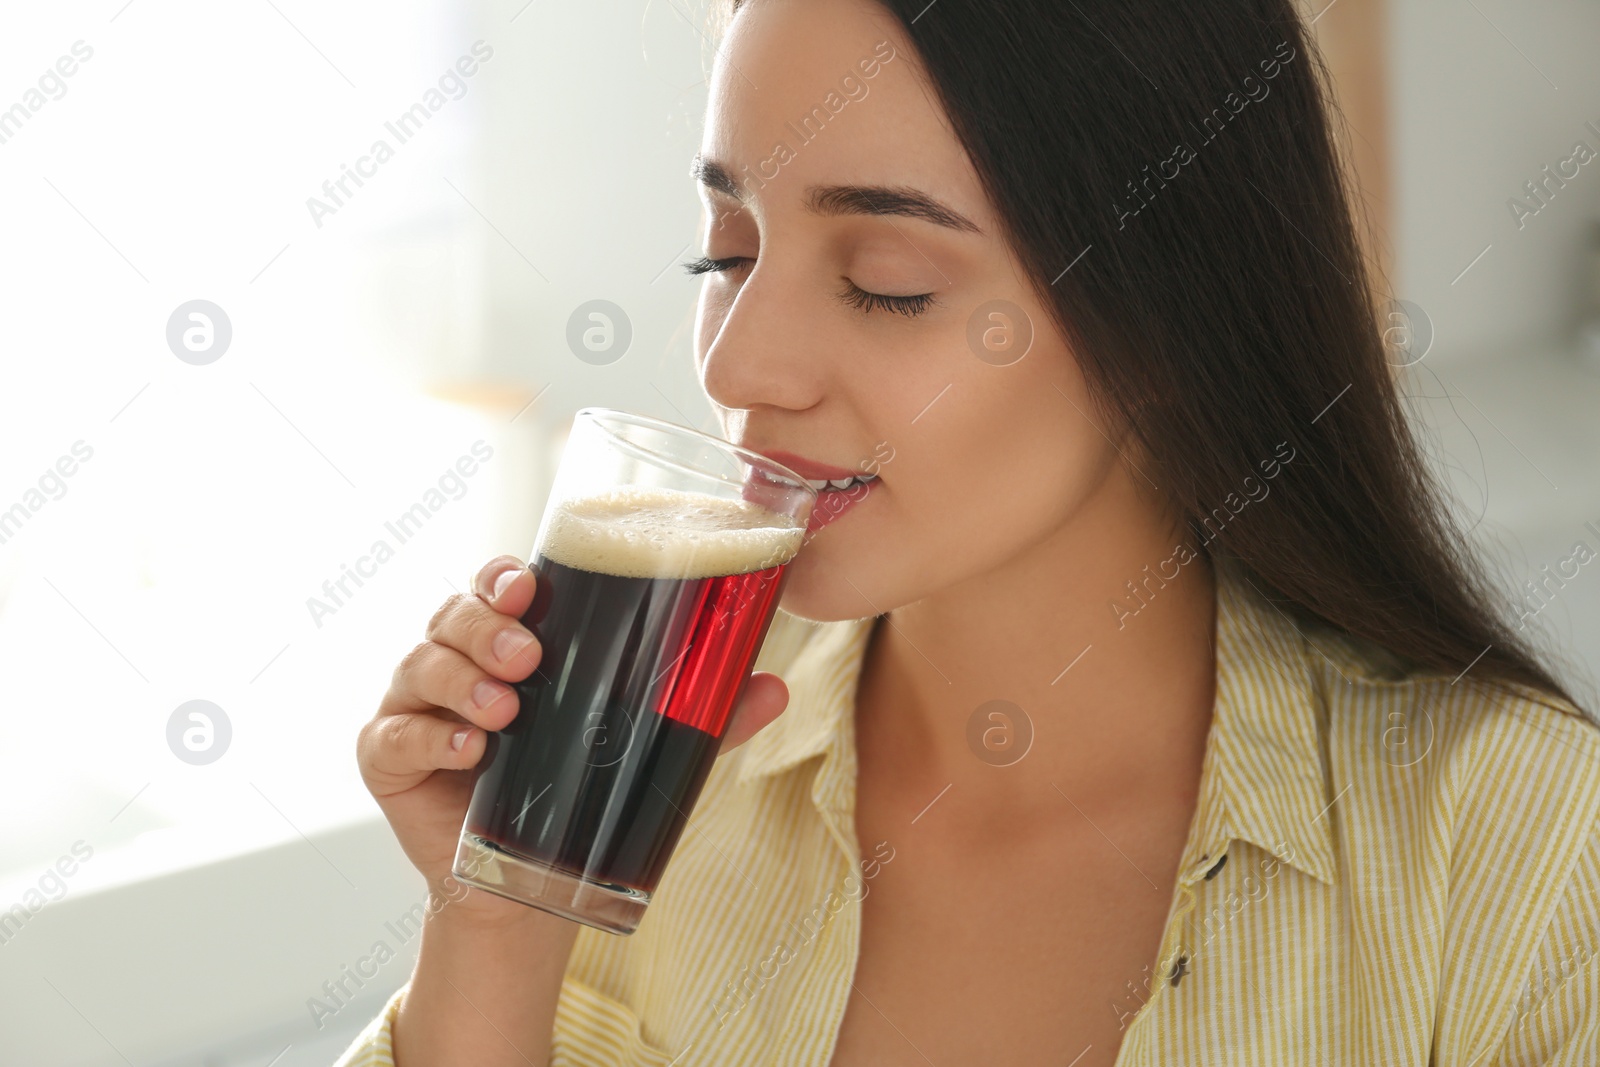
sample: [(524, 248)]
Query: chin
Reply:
[(815, 587)]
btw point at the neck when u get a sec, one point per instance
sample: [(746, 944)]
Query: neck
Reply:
[(1118, 699)]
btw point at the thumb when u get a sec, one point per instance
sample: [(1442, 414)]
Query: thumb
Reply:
[(763, 700)]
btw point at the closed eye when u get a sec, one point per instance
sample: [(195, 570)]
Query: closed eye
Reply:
[(704, 265), (909, 306), (851, 294)]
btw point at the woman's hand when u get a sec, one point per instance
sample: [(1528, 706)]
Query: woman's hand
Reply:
[(418, 752), (482, 956)]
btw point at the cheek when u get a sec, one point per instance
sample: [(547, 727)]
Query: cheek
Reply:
[(1014, 441), (987, 461), (1032, 447), (1010, 471), (1002, 461)]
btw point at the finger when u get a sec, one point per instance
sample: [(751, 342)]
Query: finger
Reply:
[(506, 584), (396, 752), (764, 698), (432, 676), (503, 647)]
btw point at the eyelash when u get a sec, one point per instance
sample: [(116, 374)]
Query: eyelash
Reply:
[(852, 294)]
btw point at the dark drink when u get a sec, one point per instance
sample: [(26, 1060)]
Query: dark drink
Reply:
[(651, 606)]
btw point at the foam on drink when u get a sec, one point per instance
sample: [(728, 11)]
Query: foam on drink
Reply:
[(639, 532)]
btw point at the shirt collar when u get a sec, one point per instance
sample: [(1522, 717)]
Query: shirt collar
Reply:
[(822, 680), (1263, 780), (1264, 777)]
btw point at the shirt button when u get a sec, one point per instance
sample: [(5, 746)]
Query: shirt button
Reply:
[(1179, 969)]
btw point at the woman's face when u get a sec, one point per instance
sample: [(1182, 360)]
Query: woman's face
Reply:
[(979, 454)]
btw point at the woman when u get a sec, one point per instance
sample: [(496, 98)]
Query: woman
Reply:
[(1144, 709)]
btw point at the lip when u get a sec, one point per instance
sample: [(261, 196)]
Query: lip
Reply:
[(809, 469), (832, 504)]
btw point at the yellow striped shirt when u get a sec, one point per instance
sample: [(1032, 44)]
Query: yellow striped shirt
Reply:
[(1412, 876)]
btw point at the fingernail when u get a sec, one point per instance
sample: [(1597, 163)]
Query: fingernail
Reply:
[(510, 641), (459, 738), (502, 583), (486, 693)]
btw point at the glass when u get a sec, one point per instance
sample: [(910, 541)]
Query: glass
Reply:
[(660, 561)]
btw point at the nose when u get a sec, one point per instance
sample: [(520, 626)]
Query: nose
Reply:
[(762, 349)]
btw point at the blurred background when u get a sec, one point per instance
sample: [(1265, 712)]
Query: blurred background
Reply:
[(283, 281)]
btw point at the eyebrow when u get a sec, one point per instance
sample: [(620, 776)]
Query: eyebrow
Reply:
[(838, 200)]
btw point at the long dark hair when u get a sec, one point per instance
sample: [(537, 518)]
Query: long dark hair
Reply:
[(1169, 176)]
